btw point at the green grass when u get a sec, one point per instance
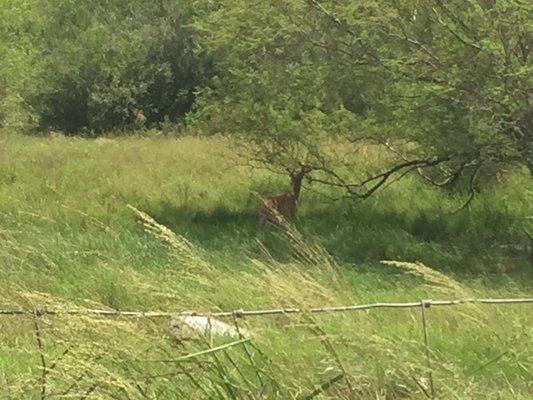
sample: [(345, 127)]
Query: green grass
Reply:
[(67, 239)]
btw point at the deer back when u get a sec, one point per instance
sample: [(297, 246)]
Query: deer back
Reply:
[(278, 206)]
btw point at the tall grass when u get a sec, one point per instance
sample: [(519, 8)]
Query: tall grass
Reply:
[(68, 240)]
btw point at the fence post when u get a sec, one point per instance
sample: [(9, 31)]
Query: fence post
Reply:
[(423, 305), (40, 344)]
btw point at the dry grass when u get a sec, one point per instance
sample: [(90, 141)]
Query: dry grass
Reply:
[(69, 241)]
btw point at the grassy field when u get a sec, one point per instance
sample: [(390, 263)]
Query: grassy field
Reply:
[(68, 240)]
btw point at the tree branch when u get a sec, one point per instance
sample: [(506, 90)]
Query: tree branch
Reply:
[(376, 181), (471, 188), (450, 178), (459, 22)]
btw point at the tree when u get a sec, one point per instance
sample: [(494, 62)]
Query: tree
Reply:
[(443, 87), (18, 59)]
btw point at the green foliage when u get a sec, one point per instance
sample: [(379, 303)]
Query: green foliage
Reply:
[(438, 86), (362, 93), (273, 89), (94, 62), (20, 21), (449, 78), (67, 240)]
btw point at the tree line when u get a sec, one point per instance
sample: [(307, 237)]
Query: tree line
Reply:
[(444, 87), (82, 67)]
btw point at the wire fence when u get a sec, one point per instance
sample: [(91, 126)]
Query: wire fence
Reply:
[(423, 305), (240, 313)]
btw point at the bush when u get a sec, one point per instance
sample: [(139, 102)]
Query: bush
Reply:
[(101, 61)]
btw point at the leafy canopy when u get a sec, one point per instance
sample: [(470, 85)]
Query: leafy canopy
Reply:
[(444, 87)]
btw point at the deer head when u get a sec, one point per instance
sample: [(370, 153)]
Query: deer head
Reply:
[(297, 177), (138, 116)]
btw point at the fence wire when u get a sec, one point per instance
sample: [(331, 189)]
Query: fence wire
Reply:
[(430, 392), (240, 313)]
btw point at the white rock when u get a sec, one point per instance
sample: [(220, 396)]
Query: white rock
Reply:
[(188, 327)]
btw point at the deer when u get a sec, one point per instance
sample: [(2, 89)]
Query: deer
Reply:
[(139, 118), (274, 209)]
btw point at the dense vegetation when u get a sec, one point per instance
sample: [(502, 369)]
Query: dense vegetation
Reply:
[(82, 67), (411, 122), (453, 80), (69, 241)]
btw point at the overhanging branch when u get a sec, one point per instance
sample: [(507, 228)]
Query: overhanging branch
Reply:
[(368, 186)]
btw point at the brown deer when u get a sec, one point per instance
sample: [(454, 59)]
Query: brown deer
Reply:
[(138, 117), (276, 208)]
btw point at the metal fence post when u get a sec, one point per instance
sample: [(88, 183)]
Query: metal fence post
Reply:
[(423, 305)]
